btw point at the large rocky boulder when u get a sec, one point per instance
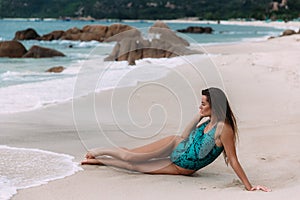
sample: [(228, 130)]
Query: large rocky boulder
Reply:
[(89, 37), (78, 34), (98, 30), (72, 34), (157, 49), (159, 24), (28, 34), (163, 32), (115, 29), (129, 49), (73, 30), (12, 49), (118, 36), (54, 35), (41, 52), (165, 44)]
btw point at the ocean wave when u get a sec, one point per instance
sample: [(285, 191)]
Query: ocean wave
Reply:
[(24, 167), (10, 78), (85, 77), (256, 39), (77, 44), (10, 75), (7, 190), (29, 96)]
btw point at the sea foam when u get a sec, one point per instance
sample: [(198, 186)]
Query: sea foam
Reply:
[(22, 168), (39, 89)]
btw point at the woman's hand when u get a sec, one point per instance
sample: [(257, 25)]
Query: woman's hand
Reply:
[(260, 187), (89, 155)]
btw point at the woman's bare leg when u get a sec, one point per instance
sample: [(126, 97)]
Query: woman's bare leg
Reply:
[(161, 166), (91, 161), (158, 149)]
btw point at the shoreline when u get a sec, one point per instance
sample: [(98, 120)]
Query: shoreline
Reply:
[(45, 129), (43, 159)]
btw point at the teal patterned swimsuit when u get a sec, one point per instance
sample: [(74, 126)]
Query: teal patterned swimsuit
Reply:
[(198, 150)]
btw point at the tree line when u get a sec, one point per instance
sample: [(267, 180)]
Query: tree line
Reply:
[(150, 9)]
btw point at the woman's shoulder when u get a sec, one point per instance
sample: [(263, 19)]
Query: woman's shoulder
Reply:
[(224, 127)]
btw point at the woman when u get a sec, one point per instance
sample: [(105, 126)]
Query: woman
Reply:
[(199, 145)]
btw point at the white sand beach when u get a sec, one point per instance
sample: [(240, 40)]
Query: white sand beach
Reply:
[(262, 81), (294, 25)]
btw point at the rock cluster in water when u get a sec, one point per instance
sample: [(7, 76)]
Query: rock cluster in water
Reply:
[(287, 32), (15, 49), (160, 42), (196, 29), (87, 33)]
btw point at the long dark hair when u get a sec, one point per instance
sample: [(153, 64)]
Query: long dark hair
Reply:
[(221, 109)]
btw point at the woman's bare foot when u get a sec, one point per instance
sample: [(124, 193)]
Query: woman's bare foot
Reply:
[(91, 161), (89, 155)]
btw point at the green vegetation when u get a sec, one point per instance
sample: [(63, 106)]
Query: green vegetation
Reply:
[(149, 9)]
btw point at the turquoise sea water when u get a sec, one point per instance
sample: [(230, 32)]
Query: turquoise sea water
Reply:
[(24, 84), (222, 33), (23, 81)]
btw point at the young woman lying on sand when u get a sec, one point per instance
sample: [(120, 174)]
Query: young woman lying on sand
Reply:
[(197, 147)]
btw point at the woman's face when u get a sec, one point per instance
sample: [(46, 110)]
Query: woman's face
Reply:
[(205, 110)]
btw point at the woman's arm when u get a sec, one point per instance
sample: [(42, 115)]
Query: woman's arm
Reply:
[(192, 125), (227, 140)]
